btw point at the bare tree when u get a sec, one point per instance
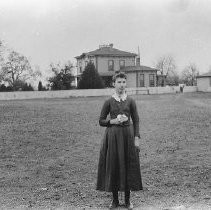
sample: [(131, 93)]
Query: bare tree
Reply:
[(1, 46), (173, 78), (1, 60), (189, 74), (17, 69), (165, 65), (62, 78)]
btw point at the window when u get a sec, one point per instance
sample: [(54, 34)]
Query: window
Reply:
[(86, 62), (122, 64), (141, 80), (80, 67), (110, 65), (151, 80)]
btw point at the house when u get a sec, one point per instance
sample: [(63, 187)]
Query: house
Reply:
[(108, 59), (204, 82), (140, 76)]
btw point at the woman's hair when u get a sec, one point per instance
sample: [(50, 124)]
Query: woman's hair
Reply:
[(119, 74)]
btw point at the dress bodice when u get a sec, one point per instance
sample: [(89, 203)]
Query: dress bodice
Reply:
[(113, 108)]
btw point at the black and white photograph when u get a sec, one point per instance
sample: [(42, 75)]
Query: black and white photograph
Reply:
[(105, 104)]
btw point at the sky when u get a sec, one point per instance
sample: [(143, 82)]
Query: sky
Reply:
[(53, 31)]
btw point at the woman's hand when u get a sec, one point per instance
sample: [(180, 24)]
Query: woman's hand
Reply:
[(137, 142), (119, 119), (122, 118), (115, 121)]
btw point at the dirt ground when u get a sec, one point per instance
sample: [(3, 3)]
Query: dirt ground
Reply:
[(49, 153)]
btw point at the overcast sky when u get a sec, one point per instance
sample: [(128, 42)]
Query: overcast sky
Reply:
[(58, 30)]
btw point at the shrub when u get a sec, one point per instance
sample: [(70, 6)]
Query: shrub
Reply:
[(90, 78), (40, 86), (4, 88), (27, 87)]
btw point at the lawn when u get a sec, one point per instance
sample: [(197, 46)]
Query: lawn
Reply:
[(49, 152)]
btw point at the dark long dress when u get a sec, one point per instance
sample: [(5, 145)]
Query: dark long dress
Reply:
[(119, 165)]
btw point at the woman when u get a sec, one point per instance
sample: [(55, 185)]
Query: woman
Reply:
[(119, 167)]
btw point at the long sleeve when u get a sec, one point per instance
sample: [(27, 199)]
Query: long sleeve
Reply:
[(103, 121), (135, 118)]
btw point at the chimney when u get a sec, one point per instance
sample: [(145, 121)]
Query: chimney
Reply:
[(138, 61), (106, 45), (138, 58)]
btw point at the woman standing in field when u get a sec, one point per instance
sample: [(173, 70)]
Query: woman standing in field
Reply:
[(119, 167)]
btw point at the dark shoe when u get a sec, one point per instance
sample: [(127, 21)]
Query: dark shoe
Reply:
[(114, 204), (129, 205)]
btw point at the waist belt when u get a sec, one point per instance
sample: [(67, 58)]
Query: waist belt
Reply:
[(122, 124)]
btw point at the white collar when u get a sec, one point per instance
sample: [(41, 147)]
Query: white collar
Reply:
[(118, 98)]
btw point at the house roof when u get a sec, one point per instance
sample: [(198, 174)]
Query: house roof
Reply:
[(107, 51), (138, 68), (208, 74), (106, 74), (128, 69)]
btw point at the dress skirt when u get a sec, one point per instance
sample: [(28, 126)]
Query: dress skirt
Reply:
[(119, 165)]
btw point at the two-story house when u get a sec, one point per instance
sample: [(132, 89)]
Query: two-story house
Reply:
[(108, 59)]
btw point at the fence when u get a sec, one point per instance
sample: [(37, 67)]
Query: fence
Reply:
[(19, 95)]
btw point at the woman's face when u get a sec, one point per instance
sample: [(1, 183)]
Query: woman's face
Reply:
[(120, 85)]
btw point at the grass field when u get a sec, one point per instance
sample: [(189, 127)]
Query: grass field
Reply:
[(49, 152)]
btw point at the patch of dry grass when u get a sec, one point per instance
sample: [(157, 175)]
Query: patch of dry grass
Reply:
[(49, 151)]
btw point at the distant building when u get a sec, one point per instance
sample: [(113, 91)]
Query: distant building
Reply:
[(141, 76), (204, 82), (108, 59)]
